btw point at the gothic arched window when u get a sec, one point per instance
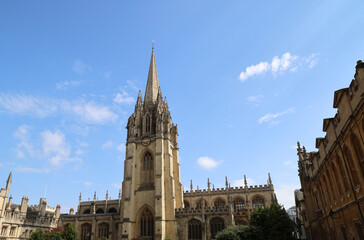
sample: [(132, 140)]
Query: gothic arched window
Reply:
[(86, 231), (216, 225), (103, 230), (219, 203), (100, 210), (186, 203), (258, 202), (343, 174), (239, 204), (112, 210), (147, 124), (86, 211), (148, 161), (351, 166), (358, 151), (147, 224), (194, 229), (199, 203), (337, 180)]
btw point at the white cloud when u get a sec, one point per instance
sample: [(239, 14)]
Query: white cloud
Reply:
[(56, 149), (240, 182), (88, 112), (79, 67), (107, 145), (252, 70), (124, 97), (279, 65), (269, 117), (79, 152), (207, 163), (107, 74), (65, 84), (285, 194)]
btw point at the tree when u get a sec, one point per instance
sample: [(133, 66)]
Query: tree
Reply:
[(71, 233), (37, 235), (274, 222), (240, 233)]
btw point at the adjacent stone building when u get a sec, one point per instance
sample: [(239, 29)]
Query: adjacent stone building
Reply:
[(332, 178), (153, 204), (19, 221)]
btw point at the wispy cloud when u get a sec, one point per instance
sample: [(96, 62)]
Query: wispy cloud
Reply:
[(24, 146), (66, 84), (107, 145), (207, 163), (124, 97), (270, 117), (256, 98), (32, 170), (279, 65), (121, 147), (88, 184), (116, 185), (89, 112), (80, 67)]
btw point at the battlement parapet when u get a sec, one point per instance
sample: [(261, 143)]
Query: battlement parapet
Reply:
[(218, 191), (198, 210)]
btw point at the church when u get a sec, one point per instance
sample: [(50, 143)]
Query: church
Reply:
[(153, 203)]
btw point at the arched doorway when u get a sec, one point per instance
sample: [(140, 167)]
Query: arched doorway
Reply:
[(147, 224), (194, 229)]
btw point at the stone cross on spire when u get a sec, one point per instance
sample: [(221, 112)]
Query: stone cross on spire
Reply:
[(151, 91)]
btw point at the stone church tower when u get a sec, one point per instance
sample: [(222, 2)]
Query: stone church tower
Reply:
[(151, 189)]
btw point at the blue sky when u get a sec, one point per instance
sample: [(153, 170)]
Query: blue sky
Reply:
[(244, 81)]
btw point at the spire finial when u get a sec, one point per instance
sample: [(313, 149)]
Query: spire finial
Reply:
[(269, 179), (153, 45), (208, 184), (191, 186), (245, 182)]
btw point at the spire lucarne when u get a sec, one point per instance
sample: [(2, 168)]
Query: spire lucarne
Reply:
[(152, 89)]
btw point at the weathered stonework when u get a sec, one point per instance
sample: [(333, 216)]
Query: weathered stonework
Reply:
[(19, 221), (332, 178)]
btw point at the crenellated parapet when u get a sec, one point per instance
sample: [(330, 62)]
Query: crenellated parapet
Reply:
[(200, 210)]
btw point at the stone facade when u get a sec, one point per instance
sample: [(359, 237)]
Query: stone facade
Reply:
[(332, 178), (19, 221), (153, 204)]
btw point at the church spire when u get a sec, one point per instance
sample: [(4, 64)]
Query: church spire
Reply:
[(152, 89)]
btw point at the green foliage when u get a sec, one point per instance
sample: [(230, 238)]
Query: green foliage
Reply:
[(240, 233), (55, 234), (37, 235), (71, 233), (274, 222)]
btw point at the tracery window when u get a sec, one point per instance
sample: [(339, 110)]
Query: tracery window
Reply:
[(103, 230), (147, 224), (239, 205), (199, 203), (219, 203), (86, 211), (343, 174), (337, 180), (186, 203), (258, 202), (147, 161), (86, 231), (194, 229), (216, 225)]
